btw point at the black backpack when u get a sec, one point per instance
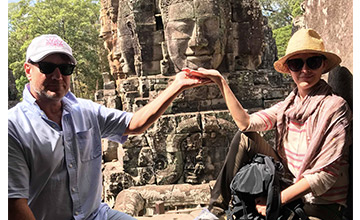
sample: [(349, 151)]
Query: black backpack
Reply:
[(261, 177)]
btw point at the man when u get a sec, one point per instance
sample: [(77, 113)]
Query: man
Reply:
[(55, 138), (313, 133)]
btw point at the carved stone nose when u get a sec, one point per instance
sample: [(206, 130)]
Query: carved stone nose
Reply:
[(197, 38)]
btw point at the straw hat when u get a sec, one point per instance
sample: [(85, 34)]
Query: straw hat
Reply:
[(306, 41)]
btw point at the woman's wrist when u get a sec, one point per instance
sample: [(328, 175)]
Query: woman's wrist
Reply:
[(282, 199)]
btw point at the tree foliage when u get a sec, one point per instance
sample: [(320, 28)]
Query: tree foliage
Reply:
[(280, 15), (75, 21)]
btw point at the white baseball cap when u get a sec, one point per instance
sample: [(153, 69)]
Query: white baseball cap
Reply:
[(44, 45)]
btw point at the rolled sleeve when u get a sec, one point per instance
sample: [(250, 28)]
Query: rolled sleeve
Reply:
[(320, 182), (113, 123)]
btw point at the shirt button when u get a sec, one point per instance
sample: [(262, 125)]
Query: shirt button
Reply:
[(70, 165), (73, 189), (76, 213)]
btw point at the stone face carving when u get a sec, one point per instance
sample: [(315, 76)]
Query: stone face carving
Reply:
[(154, 40), (139, 48), (148, 37), (195, 32)]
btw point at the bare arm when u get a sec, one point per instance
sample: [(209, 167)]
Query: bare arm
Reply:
[(19, 210), (147, 115), (295, 191), (240, 116)]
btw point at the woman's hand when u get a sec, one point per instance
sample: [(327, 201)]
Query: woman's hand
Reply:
[(240, 116), (260, 204), (209, 74), (187, 80)]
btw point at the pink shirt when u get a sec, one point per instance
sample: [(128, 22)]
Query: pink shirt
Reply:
[(329, 185)]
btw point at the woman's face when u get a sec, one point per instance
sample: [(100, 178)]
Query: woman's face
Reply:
[(195, 34), (306, 77)]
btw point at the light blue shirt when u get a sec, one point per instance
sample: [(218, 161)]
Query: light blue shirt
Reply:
[(59, 170)]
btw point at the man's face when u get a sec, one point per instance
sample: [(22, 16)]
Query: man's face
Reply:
[(53, 86), (195, 34)]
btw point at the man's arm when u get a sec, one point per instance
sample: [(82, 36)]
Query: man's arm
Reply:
[(147, 115), (19, 210)]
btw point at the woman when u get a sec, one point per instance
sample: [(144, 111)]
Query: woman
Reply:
[(313, 132)]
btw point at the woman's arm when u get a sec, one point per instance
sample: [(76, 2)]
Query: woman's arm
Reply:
[(293, 192), (240, 116)]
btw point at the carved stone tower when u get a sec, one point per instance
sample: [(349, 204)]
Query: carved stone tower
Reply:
[(149, 41)]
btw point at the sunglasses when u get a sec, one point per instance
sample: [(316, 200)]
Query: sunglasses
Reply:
[(47, 68), (297, 64)]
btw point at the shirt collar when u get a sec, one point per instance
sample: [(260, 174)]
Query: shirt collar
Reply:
[(27, 95), (68, 100)]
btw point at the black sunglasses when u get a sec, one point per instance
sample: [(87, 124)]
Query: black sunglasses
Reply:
[(47, 68), (312, 62)]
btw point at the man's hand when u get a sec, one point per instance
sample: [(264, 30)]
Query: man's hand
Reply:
[(261, 205), (208, 75), (187, 80), (148, 114)]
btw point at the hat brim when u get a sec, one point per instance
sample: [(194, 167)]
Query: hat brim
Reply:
[(44, 54), (332, 60)]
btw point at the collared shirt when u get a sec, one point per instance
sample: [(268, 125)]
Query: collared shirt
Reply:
[(59, 169)]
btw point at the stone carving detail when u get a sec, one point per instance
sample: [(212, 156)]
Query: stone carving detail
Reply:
[(137, 199), (151, 40)]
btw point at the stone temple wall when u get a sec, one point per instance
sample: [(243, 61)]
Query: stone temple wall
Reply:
[(334, 22), (149, 41)]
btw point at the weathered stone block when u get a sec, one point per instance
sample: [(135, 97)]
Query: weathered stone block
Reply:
[(99, 95), (151, 67), (129, 85), (109, 150), (273, 93), (109, 92), (258, 103), (110, 85), (180, 9), (115, 180)]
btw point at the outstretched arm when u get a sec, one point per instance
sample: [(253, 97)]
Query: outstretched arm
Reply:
[(147, 115), (240, 116)]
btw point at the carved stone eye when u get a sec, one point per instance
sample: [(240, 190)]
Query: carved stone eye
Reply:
[(160, 162)]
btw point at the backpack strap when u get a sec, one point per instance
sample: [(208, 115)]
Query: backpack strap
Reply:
[(239, 205), (301, 213)]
